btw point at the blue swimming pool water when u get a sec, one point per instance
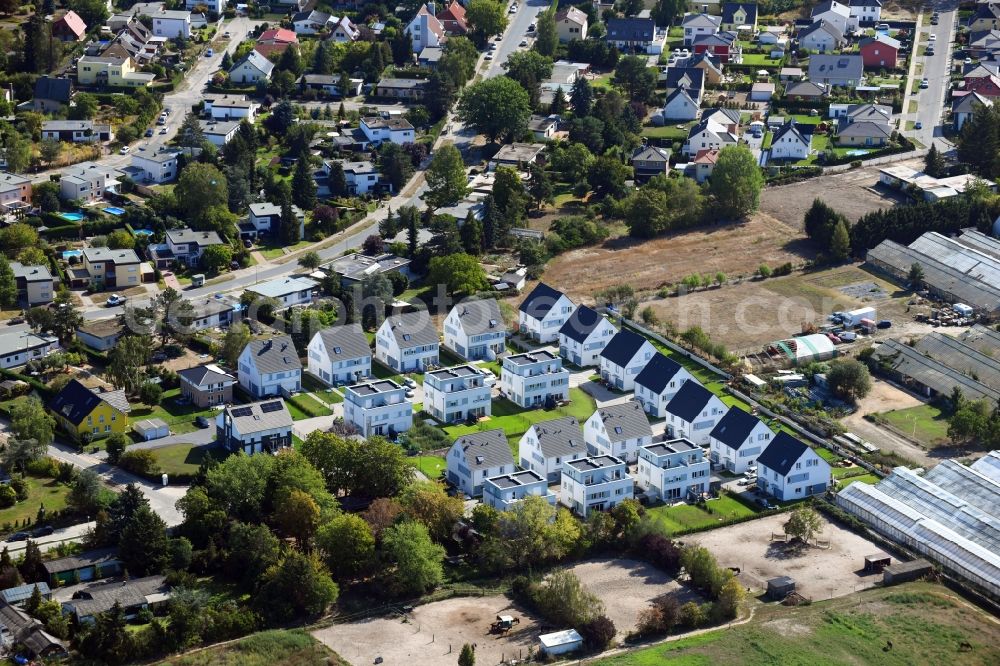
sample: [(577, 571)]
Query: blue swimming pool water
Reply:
[(854, 153), (70, 217), (142, 232), (114, 210), (72, 253)]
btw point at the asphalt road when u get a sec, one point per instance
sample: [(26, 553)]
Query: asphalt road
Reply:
[(930, 101), (61, 535)]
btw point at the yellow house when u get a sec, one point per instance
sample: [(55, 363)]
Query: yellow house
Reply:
[(111, 71), (86, 412)]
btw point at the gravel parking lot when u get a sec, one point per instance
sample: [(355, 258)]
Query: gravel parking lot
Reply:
[(819, 573)]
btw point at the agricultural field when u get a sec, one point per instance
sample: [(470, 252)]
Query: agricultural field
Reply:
[(289, 648), (925, 623), (649, 264), (851, 193), (749, 315)]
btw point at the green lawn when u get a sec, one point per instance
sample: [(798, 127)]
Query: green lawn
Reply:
[(601, 81), (273, 252), (685, 517), (293, 647), (181, 458), (41, 491), (308, 405), (760, 60), (515, 420), (926, 424), (870, 479), (180, 418), (923, 621), (431, 466), (670, 132)]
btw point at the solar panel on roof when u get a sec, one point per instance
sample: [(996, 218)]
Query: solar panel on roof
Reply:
[(269, 407), (242, 411)]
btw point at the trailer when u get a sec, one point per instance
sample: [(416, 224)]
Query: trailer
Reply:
[(855, 317)]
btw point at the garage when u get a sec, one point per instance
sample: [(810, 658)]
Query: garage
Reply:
[(150, 429)]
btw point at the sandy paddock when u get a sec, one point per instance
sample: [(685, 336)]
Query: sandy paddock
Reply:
[(425, 636), (819, 573), (627, 587)]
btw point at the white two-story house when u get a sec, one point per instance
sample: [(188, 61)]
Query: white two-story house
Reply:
[(407, 342), (789, 470), (394, 130), (340, 355), (673, 470), (534, 379), (155, 167), (543, 313), (270, 367), (172, 24), (623, 359), (737, 439), (452, 395), (265, 218), (866, 11), (478, 456), (699, 25), (693, 412), (187, 245), (658, 383), (505, 491), (584, 336), (378, 407), (547, 445), (595, 484), (618, 430), (287, 291), (475, 330)]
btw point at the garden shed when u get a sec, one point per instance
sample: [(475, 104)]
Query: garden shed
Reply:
[(561, 642), (876, 562)]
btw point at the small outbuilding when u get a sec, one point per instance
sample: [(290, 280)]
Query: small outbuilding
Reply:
[(150, 429), (903, 572), (780, 587), (876, 562), (561, 642)]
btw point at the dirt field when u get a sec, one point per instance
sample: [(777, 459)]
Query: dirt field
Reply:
[(627, 587), (433, 634), (749, 315), (850, 193), (819, 573), (732, 249)]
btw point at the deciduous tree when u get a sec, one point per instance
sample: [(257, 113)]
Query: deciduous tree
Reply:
[(417, 560), (498, 108), (736, 182), (446, 180)]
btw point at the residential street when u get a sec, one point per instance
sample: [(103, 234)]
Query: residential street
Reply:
[(930, 101), (61, 535)]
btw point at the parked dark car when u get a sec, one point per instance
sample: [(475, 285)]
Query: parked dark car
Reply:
[(19, 536), (201, 421), (43, 531), (885, 323)]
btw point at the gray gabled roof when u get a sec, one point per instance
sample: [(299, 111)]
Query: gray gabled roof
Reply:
[(560, 437), (275, 354), (836, 67), (345, 342), (202, 375), (782, 453), (649, 153), (486, 449), (789, 128), (480, 316), (258, 61), (412, 329), (626, 420), (821, 25), (689, 401)]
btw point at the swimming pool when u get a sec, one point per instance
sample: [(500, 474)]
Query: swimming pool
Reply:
[(142, 232), (70, 217), (856, 153), (71, 253), (114, 210)]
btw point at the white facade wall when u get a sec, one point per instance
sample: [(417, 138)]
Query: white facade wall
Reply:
[(809, 475), (588, 353)]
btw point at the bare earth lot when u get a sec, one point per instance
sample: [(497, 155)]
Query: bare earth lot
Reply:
[(433, 634), (819, 573), (628, 587), (625, 586), (734, 249), (849, 193), (747, 316)]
